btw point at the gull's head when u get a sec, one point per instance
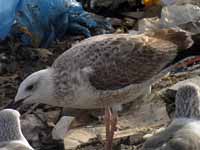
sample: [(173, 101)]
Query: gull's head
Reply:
[(9, 113), (10, 125), (188, 101), (11, 136), (36, 88)]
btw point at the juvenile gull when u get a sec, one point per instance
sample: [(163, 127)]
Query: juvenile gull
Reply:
[(11, 137), (184, 131), (104, 71)]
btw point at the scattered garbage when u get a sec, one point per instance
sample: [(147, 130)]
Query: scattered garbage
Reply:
[(182, 2), (39, 22), (147, 24), (7, 14), (61, 128), (168, 2), (176, 15)]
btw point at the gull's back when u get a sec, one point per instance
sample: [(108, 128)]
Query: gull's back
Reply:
[(184, 131)]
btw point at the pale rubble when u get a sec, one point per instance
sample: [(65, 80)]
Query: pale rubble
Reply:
[(53, 116), (148, 24), (62, 127), (177, 16), (32, 127), (141, 118), (133, 14)]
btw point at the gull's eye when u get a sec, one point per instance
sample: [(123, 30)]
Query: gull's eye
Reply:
[(30, 87)]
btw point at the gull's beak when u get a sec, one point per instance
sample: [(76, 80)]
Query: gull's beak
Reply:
[(16, 103)]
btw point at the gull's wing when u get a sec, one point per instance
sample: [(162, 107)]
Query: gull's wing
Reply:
[(131, 61), (118, 60)]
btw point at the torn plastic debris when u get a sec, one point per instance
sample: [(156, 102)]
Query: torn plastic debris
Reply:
[(187, 15), (47, 20), (8, 10), (39, 22)]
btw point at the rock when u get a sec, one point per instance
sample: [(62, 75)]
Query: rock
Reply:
[(129, 22), (153, 11), (116, 22), (7, 64), (53, 116), (136, 139), (134, 14), (32, 128), (134, 32), (109, 4), (76, 137), (127, 147), (44, 54), (147, 136), (2, 68), (175, 15), (112, 6), (147, 24), (160, 130), (61, 128)]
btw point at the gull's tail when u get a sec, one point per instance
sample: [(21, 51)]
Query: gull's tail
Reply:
[(179, 37)]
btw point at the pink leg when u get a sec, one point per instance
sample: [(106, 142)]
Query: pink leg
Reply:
[(107, 123), (113, 126), (111, 122)]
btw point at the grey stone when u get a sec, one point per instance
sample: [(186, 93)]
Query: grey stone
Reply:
[(61, 128), (147, 24), (31, 127)]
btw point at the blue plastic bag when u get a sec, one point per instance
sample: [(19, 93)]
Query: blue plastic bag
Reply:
[(8, 9), (45, 20), (39, 22)]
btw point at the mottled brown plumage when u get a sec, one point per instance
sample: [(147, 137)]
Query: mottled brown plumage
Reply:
[(118, 60)]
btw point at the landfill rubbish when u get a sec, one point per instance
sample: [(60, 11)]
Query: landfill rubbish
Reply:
[(40, 22), (176, 15), (8, 10)]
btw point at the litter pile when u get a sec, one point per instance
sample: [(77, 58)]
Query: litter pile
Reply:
[(40, 22)]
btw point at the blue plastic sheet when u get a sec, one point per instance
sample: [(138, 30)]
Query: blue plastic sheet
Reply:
[(46, 20), (8, 10), (39, 22)]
